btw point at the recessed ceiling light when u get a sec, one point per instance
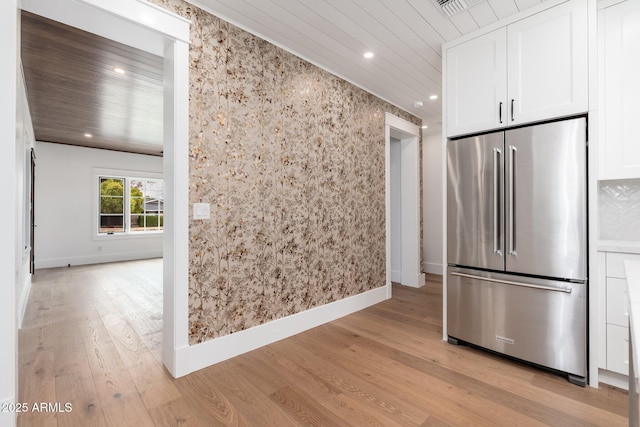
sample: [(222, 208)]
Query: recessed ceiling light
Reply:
[(88, 135), (425, 127), (119, 70), (418, 104), (368, 55), (432, 97)]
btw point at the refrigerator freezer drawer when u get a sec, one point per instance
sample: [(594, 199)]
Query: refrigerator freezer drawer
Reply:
[(536, 320)]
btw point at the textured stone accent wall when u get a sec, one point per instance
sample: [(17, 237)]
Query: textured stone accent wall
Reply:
[(291, 159)]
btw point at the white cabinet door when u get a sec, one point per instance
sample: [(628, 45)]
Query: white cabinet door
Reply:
[(617, 302), (615, 263), (548, 64), (532, 70), (618, 349), (620, 94), (476, 84)]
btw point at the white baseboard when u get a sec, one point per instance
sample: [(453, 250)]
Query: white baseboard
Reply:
[(96, 259), (24, 297), (211, 352), (415, 281), (182, 365), (396, 276), (432, 268), (8, 418), (613, 378)]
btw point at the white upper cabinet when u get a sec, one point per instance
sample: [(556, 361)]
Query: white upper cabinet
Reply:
[(534, 69), (548, 64), (620, 91), (477, 84)]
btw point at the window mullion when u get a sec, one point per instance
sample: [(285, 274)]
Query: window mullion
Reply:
[(127, 205)]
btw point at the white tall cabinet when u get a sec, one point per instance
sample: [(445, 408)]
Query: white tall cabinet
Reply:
[(618, 158), (533, 69), (619, 29)]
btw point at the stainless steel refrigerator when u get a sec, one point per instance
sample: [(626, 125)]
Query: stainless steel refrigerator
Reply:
[(517, 244)]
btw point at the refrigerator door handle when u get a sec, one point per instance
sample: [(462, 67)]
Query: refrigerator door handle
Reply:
[(509, 282), (496, 201), (512, 196)]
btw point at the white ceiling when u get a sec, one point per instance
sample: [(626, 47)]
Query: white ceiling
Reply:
[(405, 35)]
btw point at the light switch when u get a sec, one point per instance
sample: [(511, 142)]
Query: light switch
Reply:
[(201, 211)]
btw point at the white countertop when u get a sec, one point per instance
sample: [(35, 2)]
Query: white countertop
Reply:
[(625, 246)]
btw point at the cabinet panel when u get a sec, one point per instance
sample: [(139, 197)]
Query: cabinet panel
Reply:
[(531, 70), (618, 349), (620, 153), (601, 300), (614, 305), (548, 64), (615, 263), (476, 84), (617, 302)]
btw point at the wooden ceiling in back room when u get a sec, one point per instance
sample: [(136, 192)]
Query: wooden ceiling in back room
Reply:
[(90, 91)]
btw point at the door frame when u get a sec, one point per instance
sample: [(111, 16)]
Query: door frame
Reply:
[(9, 43), (163, 33), (32, 207), (409, 136)]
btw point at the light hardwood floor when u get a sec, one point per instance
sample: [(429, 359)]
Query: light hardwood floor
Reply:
[(91, 338)]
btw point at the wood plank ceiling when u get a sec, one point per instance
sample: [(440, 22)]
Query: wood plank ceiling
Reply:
[(73, 89), (405, 36)]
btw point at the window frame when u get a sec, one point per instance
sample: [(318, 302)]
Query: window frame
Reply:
[(124, 198), (127, 176)]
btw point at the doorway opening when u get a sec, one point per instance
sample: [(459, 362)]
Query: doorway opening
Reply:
[(160, 32), (403, 202)]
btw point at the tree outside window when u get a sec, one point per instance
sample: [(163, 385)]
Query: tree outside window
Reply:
[(111, 205), (143, 199), (147, 200)]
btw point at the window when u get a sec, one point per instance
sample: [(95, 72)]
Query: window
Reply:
[(112, 205), (130, 205), (147, 205)]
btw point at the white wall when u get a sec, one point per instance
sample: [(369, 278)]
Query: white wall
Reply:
[(66, 203), (24, 143), (9, 42), (432, 203)]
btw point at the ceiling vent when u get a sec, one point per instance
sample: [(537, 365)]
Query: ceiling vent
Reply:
[(451, 7)]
